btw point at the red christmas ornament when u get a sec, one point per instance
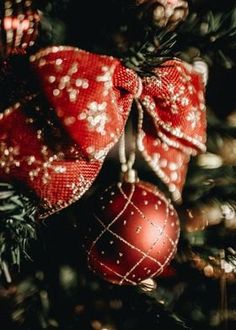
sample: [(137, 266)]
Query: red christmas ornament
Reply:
[(133, 233), (78, 113), (18, 26)]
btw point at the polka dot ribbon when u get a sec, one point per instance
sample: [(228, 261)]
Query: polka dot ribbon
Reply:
[(89, 98)]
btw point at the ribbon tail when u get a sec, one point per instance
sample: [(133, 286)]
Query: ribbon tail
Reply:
[(168, 163), (75, 177)]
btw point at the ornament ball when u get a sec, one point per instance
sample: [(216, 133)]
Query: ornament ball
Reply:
[(132, 233)]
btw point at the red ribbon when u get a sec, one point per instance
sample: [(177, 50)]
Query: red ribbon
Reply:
[(91, 96)]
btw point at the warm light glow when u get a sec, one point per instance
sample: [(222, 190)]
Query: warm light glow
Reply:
[(7, 23), (172, 2), (25, 24), (210, 160), (14, 23)]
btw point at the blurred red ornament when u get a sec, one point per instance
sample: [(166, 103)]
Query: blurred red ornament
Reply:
[(164, 13), (18, 26), (133, 233)]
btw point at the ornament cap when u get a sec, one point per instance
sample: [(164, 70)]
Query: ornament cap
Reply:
[(130, 176), (148, 285)]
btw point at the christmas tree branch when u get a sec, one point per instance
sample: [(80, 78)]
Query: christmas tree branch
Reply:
[(17, 227)]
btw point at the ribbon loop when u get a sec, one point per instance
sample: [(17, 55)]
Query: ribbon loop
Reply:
[(174, 124), (91, 94)]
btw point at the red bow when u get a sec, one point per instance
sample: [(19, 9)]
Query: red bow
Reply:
[(91, 96)]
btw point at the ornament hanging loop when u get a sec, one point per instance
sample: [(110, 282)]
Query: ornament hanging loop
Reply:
[(128, 174)]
